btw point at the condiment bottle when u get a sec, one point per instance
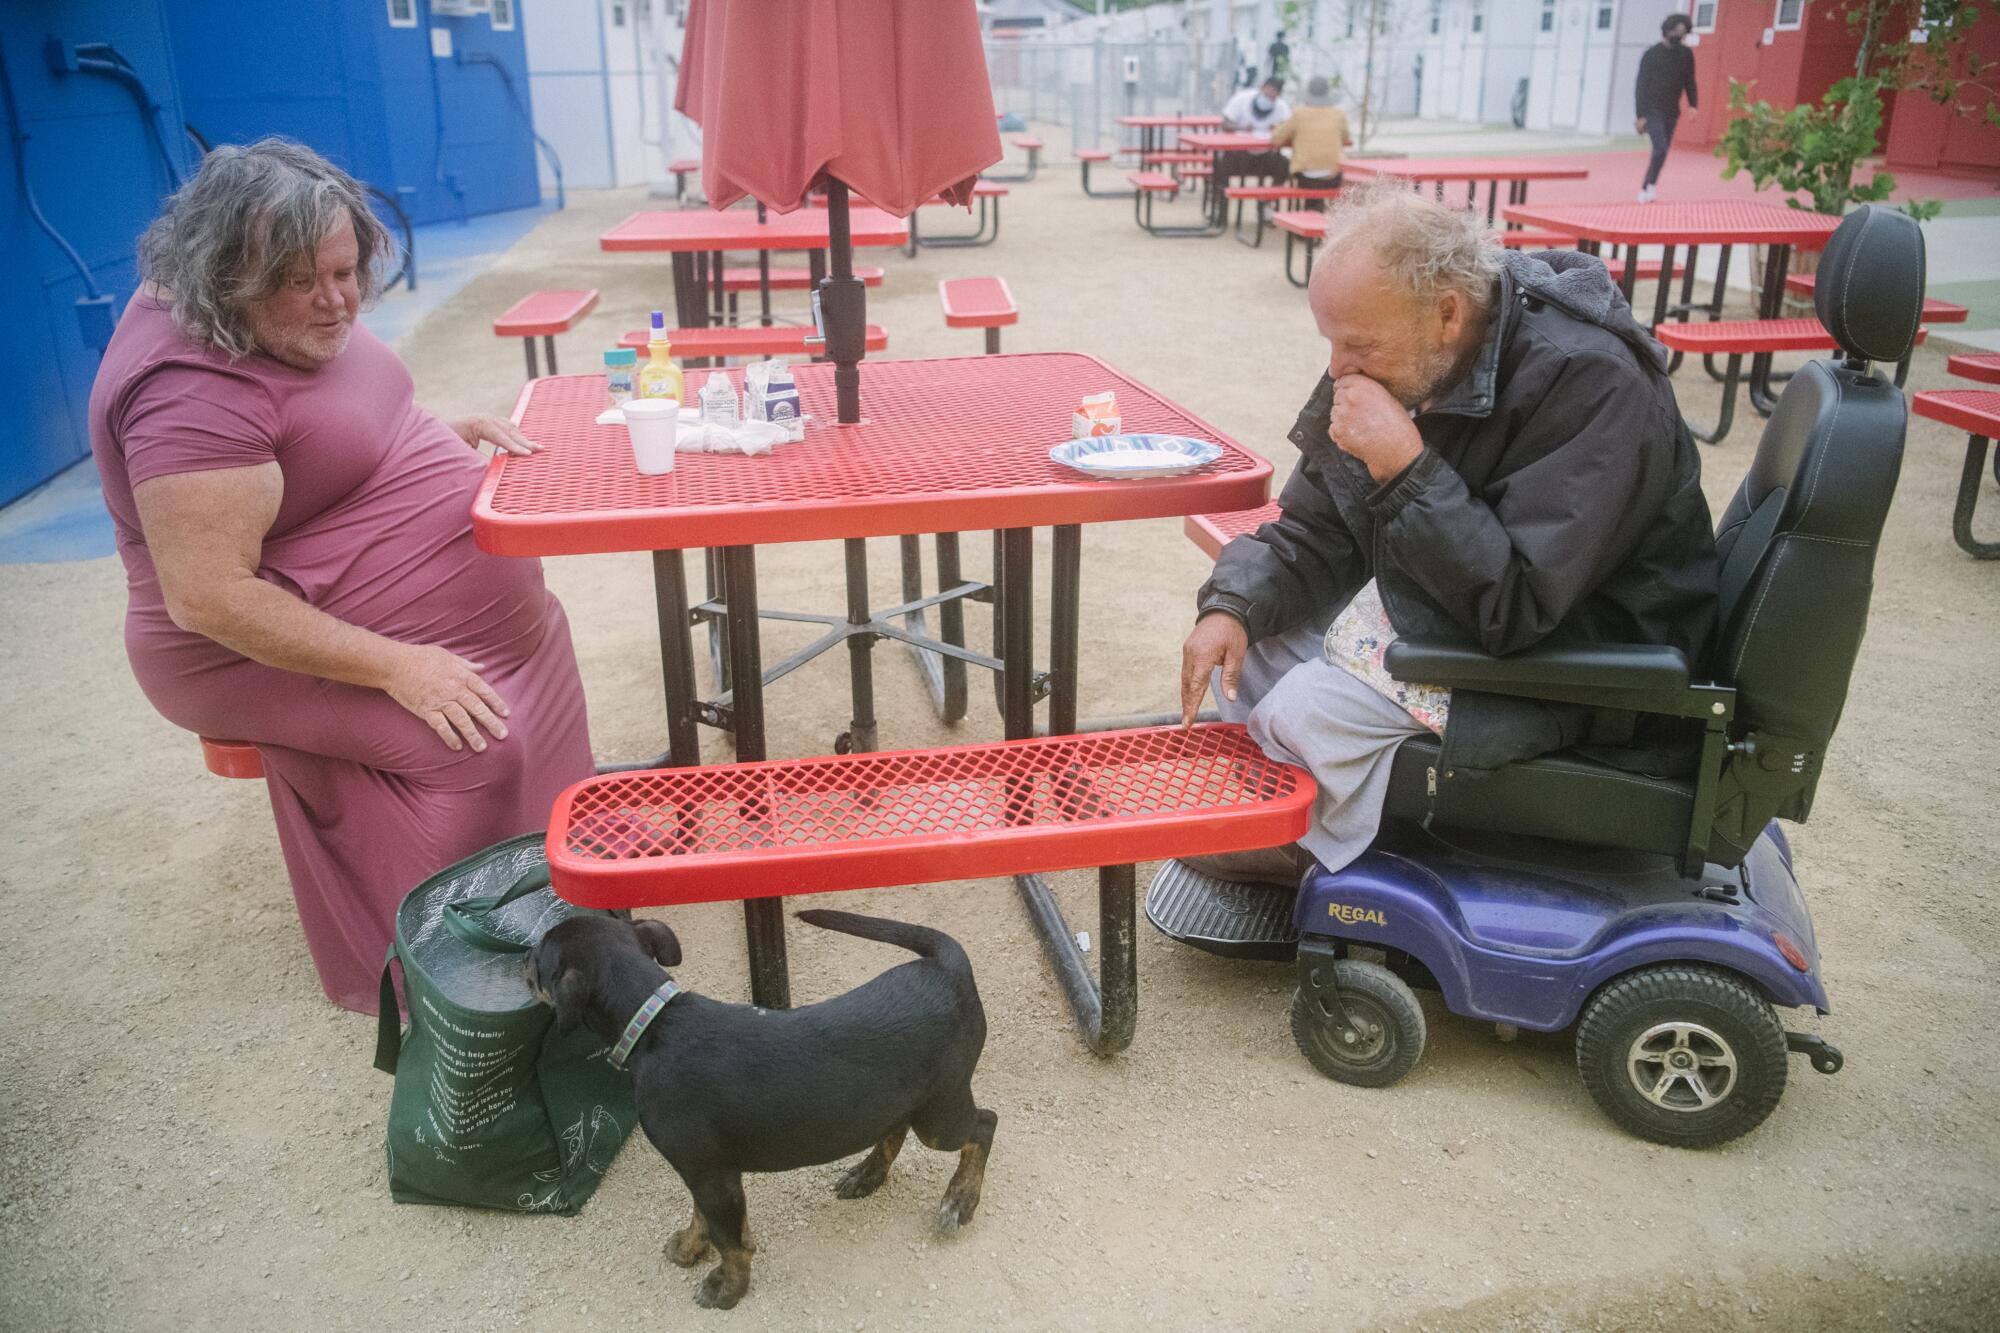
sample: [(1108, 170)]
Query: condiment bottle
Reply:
[(660, 377), (620, 372)]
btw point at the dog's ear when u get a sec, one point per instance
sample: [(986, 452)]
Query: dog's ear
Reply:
[(571, 997), (659, 940)]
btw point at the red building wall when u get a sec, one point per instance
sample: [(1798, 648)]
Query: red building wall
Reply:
[(1798, 65), (1931, 137)]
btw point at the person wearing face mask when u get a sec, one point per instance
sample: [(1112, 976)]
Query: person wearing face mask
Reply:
[(1665, 72), (1258, 110)]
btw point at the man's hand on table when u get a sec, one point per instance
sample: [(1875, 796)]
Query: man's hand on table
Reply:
[(445, 691), (499, 432), (1218, 639), (1368, 422)]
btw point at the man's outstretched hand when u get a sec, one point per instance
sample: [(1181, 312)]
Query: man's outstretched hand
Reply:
[(1218, 639)]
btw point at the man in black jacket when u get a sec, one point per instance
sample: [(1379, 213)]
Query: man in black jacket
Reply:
[(1494, 456), (1665, 72)]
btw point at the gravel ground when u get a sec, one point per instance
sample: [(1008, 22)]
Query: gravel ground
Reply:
[(191, 1137)]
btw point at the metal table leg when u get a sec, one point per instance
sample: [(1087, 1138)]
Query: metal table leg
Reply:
[(676, 657), (1969, 482), (1772, 305), (763, 918), (1106, 1006), (861, 734), (944, 677)]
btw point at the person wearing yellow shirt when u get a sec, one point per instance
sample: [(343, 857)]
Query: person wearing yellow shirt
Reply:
[(1317, 134)]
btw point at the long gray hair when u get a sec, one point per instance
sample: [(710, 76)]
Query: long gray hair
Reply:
[(251, 216)]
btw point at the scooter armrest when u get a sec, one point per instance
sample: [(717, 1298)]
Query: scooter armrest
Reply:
[(1640, 677)]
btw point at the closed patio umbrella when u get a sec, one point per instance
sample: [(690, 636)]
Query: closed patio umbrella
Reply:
[(887, 98)]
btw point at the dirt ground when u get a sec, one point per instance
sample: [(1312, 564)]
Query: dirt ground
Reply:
[(191, 1137)]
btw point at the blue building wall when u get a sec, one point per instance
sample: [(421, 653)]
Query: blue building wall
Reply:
[(331, 73), (99, 181), (371, 97)]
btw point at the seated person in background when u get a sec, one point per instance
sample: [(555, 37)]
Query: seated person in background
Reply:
[(1317, 135), (1494, 456), (1258, 110), (298, 550)]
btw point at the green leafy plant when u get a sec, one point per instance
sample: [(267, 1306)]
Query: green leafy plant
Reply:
[(1819, 149)]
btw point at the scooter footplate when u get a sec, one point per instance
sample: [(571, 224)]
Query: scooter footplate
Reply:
[(1220, 917)]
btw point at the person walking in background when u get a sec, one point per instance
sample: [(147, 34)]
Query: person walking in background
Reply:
[(1665, 72), (1317, 135)]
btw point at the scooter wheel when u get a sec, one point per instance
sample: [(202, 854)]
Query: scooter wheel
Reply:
[(1683, 1055), (1384, 1032)]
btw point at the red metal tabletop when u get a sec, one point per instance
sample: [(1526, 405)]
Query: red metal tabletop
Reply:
[(1464, 169), (689, 835), (1714, 222), (950, 445), (1169, 122), (1225, 141), (739, 229), (1975, 411)]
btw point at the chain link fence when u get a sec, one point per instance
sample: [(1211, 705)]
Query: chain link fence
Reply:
[(1085, 86)]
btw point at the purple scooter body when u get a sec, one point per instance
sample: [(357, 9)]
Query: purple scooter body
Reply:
[(1513, 937)]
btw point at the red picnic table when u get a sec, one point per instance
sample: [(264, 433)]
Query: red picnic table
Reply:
[(698, 238), (948, 446), (1722, 222), (1152, 129), (1215, 143), (1516, 171)]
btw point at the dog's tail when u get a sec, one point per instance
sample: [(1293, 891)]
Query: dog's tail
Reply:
[(920, 940)]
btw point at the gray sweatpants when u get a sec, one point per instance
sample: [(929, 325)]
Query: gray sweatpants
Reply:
[(1302, 709)]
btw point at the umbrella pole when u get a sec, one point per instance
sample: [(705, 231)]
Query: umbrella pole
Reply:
[(843, 308)]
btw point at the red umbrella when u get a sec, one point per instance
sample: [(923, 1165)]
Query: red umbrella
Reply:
[(887, 97)]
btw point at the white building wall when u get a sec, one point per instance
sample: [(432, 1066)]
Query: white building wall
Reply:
[(601, 76)]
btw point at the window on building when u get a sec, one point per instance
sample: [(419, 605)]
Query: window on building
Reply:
[(1604, 8), (1548, 15), (503, 15), (1790, 14), (1437, 12), (1704, 15), (402, 13), (1479, 15)]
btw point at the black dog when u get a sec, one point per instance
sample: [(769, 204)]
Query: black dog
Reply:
[(729, 1088)]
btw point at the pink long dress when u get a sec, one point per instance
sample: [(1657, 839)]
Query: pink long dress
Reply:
[(375, 530)]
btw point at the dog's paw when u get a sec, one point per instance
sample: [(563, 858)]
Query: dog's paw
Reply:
[(859, 1181), (717, 1292), (685, 1251), (955, 1212)]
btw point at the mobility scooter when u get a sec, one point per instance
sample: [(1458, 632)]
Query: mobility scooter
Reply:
[(1659, 914)]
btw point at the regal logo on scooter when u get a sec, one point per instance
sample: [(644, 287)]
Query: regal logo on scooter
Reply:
[(1349, 915)]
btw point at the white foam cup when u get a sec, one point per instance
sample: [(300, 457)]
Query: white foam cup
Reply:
[(653, 424)]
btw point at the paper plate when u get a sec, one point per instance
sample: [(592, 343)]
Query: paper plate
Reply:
[(1135, 457)]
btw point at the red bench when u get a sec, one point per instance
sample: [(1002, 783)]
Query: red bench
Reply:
[(1301, 228), (1150, 185), (724, 341), (1530, 238), (1032, 146), (978, 303), (1738, 338), (1935, 311), (1212, 532), (231, 759), (986, 195), (722, 832), (1984, 368), (682, 169), (1977, 413), (1089, 157), (1286, 198), (544, 315), (739, 280)]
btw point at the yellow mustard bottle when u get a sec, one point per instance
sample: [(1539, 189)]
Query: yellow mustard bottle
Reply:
[(660, 377)]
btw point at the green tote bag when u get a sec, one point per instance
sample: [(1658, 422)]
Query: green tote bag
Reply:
[(492, 1107)]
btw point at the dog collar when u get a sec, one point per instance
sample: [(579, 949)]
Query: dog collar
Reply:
[(642, 1020)]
